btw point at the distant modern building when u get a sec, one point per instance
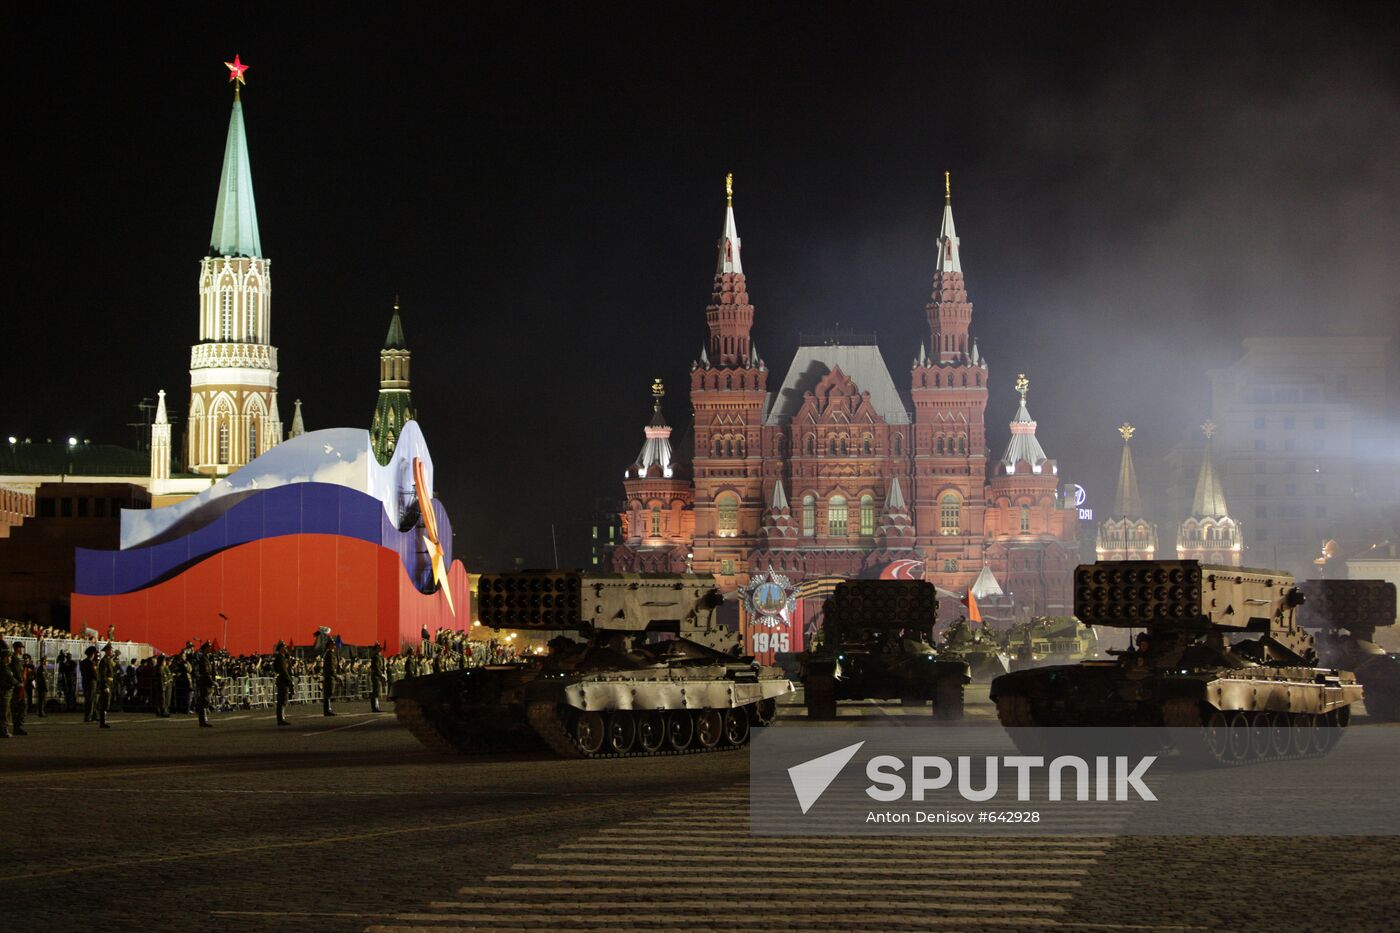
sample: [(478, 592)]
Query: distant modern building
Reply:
[(1309, 445), (1126, 534), (836, 472)]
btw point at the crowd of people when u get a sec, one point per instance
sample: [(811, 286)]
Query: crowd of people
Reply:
[(203, 678)]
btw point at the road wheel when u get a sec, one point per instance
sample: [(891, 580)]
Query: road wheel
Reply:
[(709, 728), (1280, 735), (764, 711), (736, 726), (820, 692), (680, 729), (1217, 735), (1300, 734), (1324, 734), (622, 730), (651, 731), (590, 732), (1014, 711), (1239, 738), (948, 699), (1259, 742)]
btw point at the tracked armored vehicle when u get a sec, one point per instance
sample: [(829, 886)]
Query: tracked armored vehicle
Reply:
[(1228, 697), (875, 645), (977, 647), (1345, 615), (656, 674), (1044, 640)]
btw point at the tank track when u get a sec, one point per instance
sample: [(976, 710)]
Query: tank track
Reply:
[(410, 715), (544, 718), (1259, 738)]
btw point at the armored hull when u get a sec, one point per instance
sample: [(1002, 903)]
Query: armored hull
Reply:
[(1228, 702), (624, 708), (1345, 615)]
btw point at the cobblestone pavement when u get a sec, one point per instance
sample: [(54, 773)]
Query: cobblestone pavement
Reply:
[(348, 824)]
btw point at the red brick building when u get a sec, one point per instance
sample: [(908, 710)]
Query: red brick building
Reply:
[(836, 471)]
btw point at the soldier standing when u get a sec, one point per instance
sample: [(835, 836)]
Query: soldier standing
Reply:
[(89, 670), (7, 689), (17, 671), (163, 683), (106, 684), (282, 668), (378, 680), (69, 667), (330, 669), (203, 681)]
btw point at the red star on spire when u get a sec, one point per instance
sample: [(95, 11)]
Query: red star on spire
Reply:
[(236, 69)]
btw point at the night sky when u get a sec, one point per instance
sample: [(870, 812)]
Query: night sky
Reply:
[(1137, 188)]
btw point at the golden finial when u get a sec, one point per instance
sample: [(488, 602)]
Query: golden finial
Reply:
[(948, 186), (657, 389), (1127, 430), (1022, 385), (729, 188), (1208, 429), (396, 302)]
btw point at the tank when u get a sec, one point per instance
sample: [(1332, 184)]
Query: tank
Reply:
[(1344, 615), (1220, 659), (875, 645), (1050, 640), (653, 674), (978, 647)]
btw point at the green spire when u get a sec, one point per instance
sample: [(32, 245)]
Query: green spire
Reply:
[(236, 216), (394, 340)]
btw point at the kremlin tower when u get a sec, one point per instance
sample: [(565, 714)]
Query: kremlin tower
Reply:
[(233, 369), (395, 404), (1126, 534), (1209, 535)]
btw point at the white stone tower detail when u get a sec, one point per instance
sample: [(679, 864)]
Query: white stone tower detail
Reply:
[(160, 443), (233, 368)]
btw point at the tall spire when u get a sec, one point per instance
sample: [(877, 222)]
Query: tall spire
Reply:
[(235, 230), (948, 258), (1024, 446), (730, 316), (1209, 501), (394, 339), (1128, 502), (394, 406), (949, 312), (298, 426)]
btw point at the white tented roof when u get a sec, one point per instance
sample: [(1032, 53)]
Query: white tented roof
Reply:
[(862, 363)]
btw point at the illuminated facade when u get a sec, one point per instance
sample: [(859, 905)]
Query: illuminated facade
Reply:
[(836, 472), (658, 521)]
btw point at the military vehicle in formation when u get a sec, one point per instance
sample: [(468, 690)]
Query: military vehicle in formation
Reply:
[(1228, 697), (1345, 614), (655, 674), (1049, 640), (978, 647), (874, 644)]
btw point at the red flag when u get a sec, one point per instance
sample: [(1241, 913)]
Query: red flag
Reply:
[(970, 601)]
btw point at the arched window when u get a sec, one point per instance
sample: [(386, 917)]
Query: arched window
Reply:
[(1025, 519), (950, 514), (867, 516), (844, 441), (867, 445), (728, 382), (962, 443), (252, 439), (250, 317), (836, 517), (831, 445), (728, 525), (898, 445), (739, 446), (656, 520), (719, 447), (810, 445), (939, 445), (809, 515), (223, 439), (225, 316), (729, 446)]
